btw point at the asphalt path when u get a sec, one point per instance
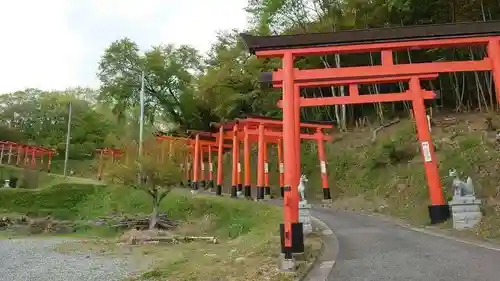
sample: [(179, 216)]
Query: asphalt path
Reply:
[(371, 248)]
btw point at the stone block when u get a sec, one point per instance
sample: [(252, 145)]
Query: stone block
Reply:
[(305, 217), (464, 208), (287, 265), (464, 200), (467, 216)]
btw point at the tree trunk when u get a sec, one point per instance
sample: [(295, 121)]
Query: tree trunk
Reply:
[(153, 219)]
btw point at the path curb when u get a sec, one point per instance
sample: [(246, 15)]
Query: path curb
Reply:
[(323, 264)]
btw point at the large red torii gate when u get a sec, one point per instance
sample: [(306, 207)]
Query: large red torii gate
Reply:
[(386, 41)]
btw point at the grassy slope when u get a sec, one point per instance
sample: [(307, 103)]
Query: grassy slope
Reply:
[(248, 231)]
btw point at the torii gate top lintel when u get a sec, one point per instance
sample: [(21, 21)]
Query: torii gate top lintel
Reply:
[(363, 40), (253, 121)]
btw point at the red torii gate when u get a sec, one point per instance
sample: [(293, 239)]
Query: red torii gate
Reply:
[(264, 130), (385, 41), (29, 153), (186, 166), (103, 152), (201, 142)]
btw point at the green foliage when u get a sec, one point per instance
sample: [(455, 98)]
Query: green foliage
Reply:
[(160, 164), (60, 201), (40, 118), (11, 134), (169, 73), (86, 202)]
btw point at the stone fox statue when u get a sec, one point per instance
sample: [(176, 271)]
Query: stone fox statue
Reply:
[(461, 188), (302, 187)]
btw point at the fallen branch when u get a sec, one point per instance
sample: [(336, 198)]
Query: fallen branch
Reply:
[(134, 240), (377, 130)]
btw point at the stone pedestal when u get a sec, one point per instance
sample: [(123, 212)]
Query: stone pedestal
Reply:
[(286, 265), (465, 211), (325, 203), (305, 216)]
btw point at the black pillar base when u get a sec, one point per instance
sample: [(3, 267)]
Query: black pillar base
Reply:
[(99, 178), (247, 191), (189, 184), (203, 184), (326, 194), (282, 191), (260, 192), (297, 238), (195, 185), (211, 185), (439, 213), (240, 187), (234, 191), (218, 191), (267, 190)]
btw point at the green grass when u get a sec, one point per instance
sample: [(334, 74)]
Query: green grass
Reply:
[(43, 179), (246, 230)]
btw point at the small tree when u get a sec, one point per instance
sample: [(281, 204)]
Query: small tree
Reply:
[(157, 171)]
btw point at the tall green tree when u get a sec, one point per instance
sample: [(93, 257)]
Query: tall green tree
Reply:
[(42, 118), (170, 75)]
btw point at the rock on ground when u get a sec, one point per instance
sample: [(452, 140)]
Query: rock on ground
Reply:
[(36, 260)]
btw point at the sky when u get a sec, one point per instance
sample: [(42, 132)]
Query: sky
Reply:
[(57, 44)]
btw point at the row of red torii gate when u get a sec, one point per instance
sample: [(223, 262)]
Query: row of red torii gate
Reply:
[(25, 155), (238, 137)]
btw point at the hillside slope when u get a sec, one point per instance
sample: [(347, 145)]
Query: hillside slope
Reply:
[(387, 176)]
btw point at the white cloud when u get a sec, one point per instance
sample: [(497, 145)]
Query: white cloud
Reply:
[(38, 49), (55, 44)]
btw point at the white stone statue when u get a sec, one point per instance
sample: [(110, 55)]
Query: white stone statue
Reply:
[(461, 188), (302, 187)]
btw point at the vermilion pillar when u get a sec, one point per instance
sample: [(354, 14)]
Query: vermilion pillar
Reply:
[(246, 160), (219, 161), (260, 163), (210, 169), (101, 164), (33, 157), (297, 139), (439, 210), (26, 152), (494, 56), (2, 153), (240, 170), (322, 165), (281, 167), (267, 187), (196, 162), (189, 166), (19, 154), (10, 154), (291, 230), (49, 162), (234, 186), (202, 168)]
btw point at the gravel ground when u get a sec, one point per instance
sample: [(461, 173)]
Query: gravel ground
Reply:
[(36, 260), (373, 249)]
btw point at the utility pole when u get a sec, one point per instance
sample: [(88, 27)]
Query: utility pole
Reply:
[(141, 118), (141, 126), (68, 137)]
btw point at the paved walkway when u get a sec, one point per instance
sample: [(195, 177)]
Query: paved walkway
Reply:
[(372, 248)]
